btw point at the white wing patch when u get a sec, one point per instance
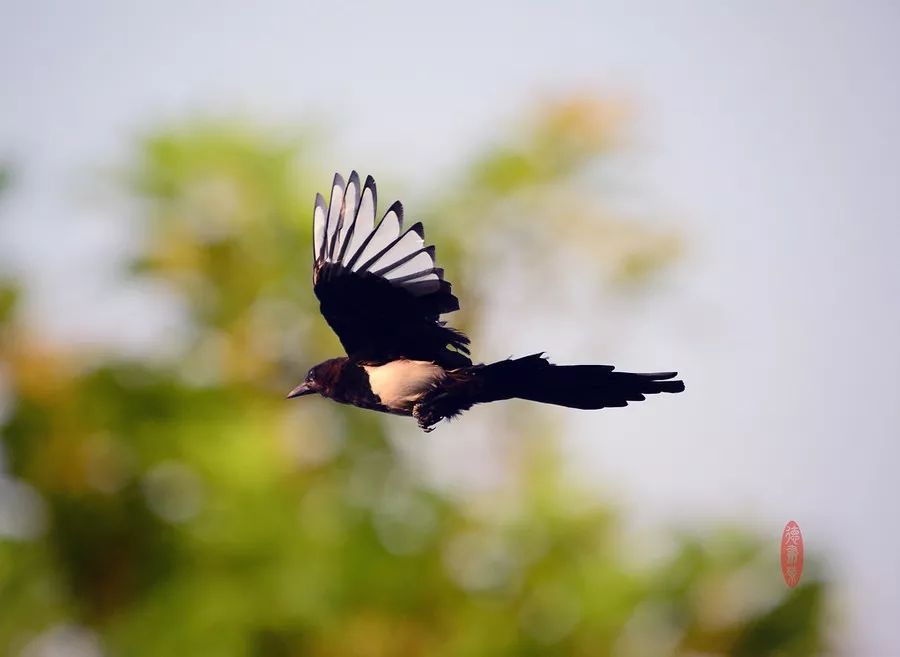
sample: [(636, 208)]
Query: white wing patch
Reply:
[(415, 263), (346, 233), (364, 222), (404, 246), (319, 214), (334, 209), (346, 216), (379, 239)]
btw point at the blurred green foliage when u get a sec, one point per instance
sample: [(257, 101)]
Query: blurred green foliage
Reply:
[(179, 505)]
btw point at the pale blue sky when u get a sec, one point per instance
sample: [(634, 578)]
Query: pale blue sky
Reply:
[(768, 130)]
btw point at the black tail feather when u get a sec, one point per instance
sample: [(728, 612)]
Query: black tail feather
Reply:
[(575, 386), (536, 379)]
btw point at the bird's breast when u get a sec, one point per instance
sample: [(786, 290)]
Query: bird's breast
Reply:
[(400, 383)]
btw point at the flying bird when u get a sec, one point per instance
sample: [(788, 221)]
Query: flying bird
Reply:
[(381, 293)]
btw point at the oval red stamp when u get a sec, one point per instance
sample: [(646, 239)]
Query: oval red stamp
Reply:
[(791, 554)]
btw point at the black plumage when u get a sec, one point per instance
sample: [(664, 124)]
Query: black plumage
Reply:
[(381, 293)]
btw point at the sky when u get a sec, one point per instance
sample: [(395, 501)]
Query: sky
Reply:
[(766, 130)]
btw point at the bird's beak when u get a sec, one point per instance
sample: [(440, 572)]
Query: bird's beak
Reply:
[(302, 389)]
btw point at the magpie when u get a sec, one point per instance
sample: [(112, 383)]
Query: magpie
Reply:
[(381, 293)]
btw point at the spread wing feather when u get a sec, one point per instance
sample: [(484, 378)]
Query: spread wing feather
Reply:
[(362, 223), (377, 285)]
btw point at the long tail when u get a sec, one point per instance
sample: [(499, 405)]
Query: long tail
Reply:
[(534, 378), (575, 386)]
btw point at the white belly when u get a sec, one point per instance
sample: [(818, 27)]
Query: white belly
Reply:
[(400, 383)]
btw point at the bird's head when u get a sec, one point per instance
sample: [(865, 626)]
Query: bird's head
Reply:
[(319, 379), (309, 386)]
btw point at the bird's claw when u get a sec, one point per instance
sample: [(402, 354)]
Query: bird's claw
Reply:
[(425, 417)]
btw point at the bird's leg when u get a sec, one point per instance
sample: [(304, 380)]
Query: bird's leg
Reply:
[(435, 405), (428, 410), (424, 415)]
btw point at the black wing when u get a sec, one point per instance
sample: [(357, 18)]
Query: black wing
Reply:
[(377, 285)]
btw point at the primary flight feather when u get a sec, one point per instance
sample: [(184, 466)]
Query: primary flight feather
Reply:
[(381, 293)]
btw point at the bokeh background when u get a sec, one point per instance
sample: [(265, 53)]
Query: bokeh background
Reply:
[(709, 187)]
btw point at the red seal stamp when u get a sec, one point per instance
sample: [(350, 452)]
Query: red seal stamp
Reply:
[(791, 554)]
